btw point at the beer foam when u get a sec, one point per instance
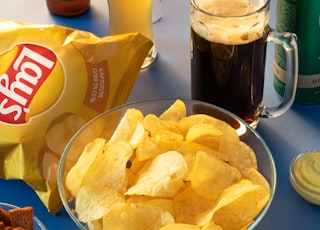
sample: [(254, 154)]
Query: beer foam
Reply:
[(229, 21)]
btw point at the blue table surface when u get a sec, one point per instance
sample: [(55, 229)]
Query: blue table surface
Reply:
[(296, 131)]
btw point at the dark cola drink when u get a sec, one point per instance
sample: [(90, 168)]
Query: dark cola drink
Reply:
[(228, 55), (230, 76)]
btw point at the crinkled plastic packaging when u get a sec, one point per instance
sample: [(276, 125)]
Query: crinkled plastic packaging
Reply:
[(54, 79)]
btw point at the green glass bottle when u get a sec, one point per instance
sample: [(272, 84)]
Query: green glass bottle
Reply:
[(303, 18)]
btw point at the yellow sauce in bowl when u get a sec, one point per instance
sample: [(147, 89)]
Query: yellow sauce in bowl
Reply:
[(305, 176)]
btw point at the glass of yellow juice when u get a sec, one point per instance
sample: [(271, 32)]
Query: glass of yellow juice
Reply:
[(127, 16)]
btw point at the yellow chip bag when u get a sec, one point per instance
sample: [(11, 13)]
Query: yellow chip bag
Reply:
[(53, 79)]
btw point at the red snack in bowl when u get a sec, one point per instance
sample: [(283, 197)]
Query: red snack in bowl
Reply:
[(22, 217), (16, 218), (4, 217)]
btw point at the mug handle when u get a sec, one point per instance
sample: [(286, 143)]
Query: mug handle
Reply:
[(288, 41)]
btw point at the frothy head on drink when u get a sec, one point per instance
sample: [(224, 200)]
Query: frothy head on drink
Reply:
[(231, 22)]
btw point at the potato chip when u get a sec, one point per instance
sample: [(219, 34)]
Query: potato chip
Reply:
[(264, 189), (163, 203), (149, 148), (127, 125), (109, 122), (211, 142), (109, 168), (175, 112), (207, 173), (213, 133), (231, 197), (136, 165), (229, 150), (238, 154), (168, 137), (139, 198), (59, 134), (188, 204), (239, 213), (163, 141), (78, 171), (159, 141), (137, 135), (123, 216), (186, 123), (87, 134), (189, 149), (95, 225), (180, 226), (206, 135), (136, 217), (95, 200), (163, 176), (198, 130), (153, 124), (246, 158), (50, 164), (212, 226)]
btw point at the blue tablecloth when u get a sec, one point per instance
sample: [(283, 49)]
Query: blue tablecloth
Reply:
[(294, 132)]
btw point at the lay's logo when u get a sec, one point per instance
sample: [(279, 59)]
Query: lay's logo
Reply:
[(31, 66)]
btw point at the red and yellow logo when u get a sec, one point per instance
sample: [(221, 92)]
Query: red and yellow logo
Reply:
[(22, 79)]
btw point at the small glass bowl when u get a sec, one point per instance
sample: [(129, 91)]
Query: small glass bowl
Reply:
[(305, 175), (109, 120), (37, 224)]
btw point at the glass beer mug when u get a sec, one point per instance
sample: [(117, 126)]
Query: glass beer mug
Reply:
[(228, 51)]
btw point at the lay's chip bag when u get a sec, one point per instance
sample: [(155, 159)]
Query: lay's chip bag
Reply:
[(54, 79)]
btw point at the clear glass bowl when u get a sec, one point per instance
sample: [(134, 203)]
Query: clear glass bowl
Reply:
[(37, 224), (106, 123)]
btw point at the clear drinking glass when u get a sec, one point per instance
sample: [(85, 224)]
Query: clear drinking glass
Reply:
[(127, 16)]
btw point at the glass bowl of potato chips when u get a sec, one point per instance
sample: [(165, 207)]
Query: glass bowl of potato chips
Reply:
[(167, 164)]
